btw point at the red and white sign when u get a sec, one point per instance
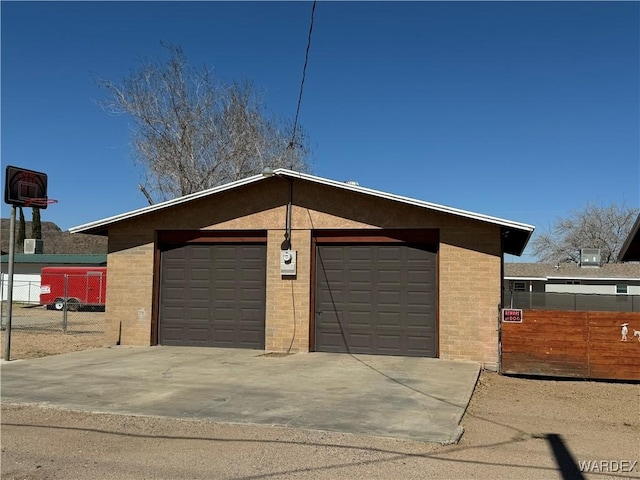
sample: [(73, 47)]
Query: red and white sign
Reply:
[(512, 315)]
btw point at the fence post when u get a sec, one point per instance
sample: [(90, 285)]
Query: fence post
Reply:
[(1, 300), (64, 308)]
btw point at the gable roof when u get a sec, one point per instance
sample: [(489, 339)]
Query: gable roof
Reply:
[(515, 234), (549, 271), (630, 251)]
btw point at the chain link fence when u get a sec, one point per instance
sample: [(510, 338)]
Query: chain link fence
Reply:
[(588, 302), (64, 303)]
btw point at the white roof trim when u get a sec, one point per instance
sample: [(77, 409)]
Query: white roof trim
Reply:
[(595, 279), (312, 178), (610, 279), (510, 277)]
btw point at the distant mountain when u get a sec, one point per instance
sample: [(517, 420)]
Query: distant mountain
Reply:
[(55, 240)]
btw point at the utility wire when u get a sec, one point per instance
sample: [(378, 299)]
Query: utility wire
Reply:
[(304, 73)]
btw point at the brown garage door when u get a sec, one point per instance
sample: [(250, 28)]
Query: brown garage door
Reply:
[(213, 295), (376, 299)]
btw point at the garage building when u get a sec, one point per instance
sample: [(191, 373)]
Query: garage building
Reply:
[(292, 262)]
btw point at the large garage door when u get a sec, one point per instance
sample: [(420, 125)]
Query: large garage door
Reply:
[(213, 295), (376, 299)]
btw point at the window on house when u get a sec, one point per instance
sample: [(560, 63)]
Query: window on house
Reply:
[(519, 287), (621, 289)]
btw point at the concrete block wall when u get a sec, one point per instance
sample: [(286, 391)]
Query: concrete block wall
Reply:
[(287, 304), (129, 288), (469, 293)]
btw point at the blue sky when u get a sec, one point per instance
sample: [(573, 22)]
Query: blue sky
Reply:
[(521, 110)]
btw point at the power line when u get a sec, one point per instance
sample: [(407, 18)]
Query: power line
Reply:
[(304, 73)]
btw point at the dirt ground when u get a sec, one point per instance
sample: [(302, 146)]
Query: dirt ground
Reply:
[(37, 332), (33, 344), (517, 428)]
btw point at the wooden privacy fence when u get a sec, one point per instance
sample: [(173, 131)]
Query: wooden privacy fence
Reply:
[(572, 344)]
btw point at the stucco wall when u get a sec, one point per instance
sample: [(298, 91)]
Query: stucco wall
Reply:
[(469, 262)]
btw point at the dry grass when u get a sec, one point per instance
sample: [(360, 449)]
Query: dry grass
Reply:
[(38, 332), (33, 344)]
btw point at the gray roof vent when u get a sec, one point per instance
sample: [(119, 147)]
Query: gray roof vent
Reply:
[(590, 257), (352, 182)]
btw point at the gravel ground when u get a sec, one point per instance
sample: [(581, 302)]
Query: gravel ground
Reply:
[(515, 428)]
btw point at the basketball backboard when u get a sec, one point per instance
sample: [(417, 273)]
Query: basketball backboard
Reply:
[(22, 186)]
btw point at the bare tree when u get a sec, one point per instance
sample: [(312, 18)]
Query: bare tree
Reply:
[(595, 226), (193, 132)]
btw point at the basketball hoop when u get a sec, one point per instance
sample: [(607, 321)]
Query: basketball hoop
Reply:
[(39, 202)]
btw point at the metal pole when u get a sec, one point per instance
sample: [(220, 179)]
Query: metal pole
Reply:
[(66, 296), (1, 301), (12, 251)]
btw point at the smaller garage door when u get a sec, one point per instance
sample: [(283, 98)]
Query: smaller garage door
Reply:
[(376, 299), (213, 295)]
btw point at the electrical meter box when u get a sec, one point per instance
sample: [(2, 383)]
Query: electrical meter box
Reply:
[(288, 262)]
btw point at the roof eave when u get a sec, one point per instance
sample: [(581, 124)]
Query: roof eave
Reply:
[(630, 251), (521, 232), (101, 227)]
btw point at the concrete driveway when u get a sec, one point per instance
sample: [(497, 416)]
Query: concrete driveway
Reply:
[(413, 398)]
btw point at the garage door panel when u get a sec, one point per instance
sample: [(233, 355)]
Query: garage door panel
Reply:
[(252, 293), (225, 294), (360, 297), (334, 274), (389, 319), (416, 320), (251, 336), (197, 294), (417, 300), (251, 275), (199, 252), (389, 297), (213, 295), (384, 295), (174, 273), (330, 297), (198, 314), (331, 339), (415, 344), (173, 332), (227, 274), (199, 274), (359, 340), (361, 276), (252, 317), (357, 319), (174, 293), (389, 342), (223, 315), (387, 277), (389, 254)]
